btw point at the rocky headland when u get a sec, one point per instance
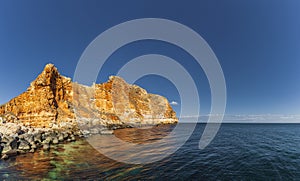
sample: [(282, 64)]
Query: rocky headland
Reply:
[(56, 110)]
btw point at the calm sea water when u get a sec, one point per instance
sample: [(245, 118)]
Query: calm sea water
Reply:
[(238, 152)]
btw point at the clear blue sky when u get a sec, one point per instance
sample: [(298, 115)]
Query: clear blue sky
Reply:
[(257, 43)]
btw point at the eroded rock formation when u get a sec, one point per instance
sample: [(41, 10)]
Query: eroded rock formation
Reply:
[(54, 101)]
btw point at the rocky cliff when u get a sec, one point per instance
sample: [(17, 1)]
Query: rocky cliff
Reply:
[(54, 101)]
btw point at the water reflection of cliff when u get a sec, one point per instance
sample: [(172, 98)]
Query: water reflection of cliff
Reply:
[(76, 158), (80, 160), (143, 135)]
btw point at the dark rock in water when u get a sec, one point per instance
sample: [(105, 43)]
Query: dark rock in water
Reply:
[(24, 145), (14, 144), (20, 132)]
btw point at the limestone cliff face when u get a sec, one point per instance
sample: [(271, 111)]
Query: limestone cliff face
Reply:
[(45, 102), (53, 100), (118, 101)]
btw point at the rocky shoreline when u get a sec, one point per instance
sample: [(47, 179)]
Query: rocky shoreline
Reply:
[(18, 139)]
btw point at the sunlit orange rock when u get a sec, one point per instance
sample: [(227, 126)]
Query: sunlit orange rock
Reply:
[(53, 100)]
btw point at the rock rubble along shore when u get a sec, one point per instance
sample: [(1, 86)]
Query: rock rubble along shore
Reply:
[(54, 109)]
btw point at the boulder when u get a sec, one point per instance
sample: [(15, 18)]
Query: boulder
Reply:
[(37, 137), (60, 137), (4, 157), (106, 132), (6, 149), (24, 145), (94, 131), (55, 141), (33, 145), (46, 146), (14, 144)]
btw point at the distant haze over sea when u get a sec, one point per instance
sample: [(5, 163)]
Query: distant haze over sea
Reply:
[(262, 118)]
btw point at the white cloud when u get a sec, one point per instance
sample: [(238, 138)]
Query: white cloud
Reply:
[(174, 103)]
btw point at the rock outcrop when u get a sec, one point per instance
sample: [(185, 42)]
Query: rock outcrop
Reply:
[(47, 101), (54, 101)]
